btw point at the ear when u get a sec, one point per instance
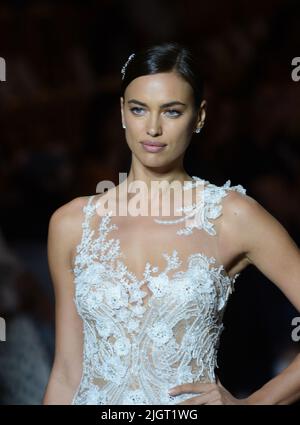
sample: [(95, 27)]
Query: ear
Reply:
[(202, 112)]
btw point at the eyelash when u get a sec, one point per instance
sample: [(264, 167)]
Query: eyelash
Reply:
[(169, 110)]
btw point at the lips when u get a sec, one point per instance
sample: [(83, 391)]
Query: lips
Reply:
[(150, 143), (153, 147)]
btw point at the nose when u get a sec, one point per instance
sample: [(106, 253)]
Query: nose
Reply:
[(153, 127)]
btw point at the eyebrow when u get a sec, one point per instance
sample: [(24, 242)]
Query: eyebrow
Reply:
[(164, 105)]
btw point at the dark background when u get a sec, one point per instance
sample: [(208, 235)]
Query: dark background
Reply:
[(61, 133)]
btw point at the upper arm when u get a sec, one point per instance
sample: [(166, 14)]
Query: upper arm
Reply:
[(266, 244), (68, 324)]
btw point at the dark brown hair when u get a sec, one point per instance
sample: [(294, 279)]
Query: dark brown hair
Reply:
[(166, 57)]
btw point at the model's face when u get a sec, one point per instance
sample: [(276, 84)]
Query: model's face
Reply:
[(148, 118)]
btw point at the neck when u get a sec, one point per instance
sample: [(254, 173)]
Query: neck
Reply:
[(148, 176), (156, 184)]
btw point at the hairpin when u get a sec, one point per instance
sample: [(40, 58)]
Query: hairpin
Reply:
[(125, 66)]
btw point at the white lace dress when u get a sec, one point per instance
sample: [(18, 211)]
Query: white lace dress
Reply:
[(146, 334)]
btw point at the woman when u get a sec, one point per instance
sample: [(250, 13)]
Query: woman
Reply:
[(140, 300)]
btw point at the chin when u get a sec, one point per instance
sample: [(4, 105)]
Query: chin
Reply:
[(155, 163)]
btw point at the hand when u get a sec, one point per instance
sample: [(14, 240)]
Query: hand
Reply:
[(213, 393)]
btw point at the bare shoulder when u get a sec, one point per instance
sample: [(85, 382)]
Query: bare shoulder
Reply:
[(235, 208), (66, 216), (65, 222), (247, 222), (236, 205)]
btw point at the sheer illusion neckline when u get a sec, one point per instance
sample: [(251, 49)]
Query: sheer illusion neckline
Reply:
[(152, 273)]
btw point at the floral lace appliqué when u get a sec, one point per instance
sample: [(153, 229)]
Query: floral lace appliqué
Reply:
[(133, 351), (204, 210)]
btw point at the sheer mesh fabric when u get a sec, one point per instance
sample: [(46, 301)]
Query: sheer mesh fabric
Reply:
[(151, 292)]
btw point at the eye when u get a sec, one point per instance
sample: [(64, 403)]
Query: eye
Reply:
[(134, 109), (174, 112)]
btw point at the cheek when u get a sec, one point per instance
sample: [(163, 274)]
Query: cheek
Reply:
[(135, 127), (182, 125), (180, 132), (182, 136)]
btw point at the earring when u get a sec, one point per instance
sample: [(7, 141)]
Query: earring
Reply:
[(198, 129), (124, 126)]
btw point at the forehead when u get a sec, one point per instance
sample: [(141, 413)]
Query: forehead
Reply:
[(160, 87)]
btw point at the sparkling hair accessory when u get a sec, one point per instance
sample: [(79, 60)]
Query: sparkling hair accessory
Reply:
[(125, 66)]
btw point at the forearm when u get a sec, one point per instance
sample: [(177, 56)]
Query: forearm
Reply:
[(59, 390), (282, 389)]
